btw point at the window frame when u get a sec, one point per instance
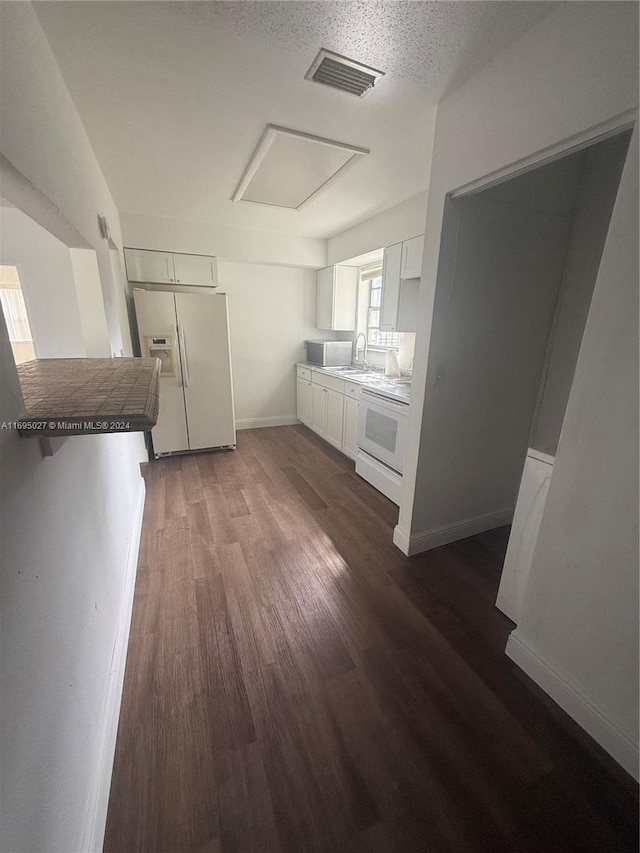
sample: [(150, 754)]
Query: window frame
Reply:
[(368, 275), (16, 314)]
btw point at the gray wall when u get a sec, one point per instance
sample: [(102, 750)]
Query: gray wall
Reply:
[(596, 196)]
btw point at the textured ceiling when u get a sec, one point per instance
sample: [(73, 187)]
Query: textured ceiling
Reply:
[(435, 43), (174, 96)]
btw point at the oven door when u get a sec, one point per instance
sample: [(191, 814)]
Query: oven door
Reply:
[(382, 429)]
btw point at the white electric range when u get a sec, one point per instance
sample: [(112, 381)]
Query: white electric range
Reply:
[(382, 435)]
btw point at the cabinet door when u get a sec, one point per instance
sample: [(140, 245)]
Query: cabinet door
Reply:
[(391, 262), (345, 295), (350, 428), (412, 251), (196, 269), (319, 409), (146, 265), (335, 415), (408, 305), (304, 401), (324, 298), (336, 297)]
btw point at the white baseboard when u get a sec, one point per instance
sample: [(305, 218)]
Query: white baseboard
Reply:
[(572, 699), (97, 816), (256, 423), (402, 539), (416, 543)]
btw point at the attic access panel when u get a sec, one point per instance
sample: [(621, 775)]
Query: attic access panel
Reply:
[(289, 168)]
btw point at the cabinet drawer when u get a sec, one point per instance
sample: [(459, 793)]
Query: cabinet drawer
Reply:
[(304, 373), (326, 381), (352, 389)]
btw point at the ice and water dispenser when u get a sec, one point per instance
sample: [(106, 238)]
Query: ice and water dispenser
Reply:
[(163, 348)]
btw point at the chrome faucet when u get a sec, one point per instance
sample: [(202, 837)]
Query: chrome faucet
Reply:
[(364, 352)]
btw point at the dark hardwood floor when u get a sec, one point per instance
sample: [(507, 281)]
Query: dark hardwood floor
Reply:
[(295, 684)]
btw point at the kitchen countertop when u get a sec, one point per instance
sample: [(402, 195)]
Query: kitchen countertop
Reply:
[(87, 396), (395, 389)]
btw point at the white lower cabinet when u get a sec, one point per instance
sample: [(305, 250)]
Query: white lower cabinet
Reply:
[(329, 406), (326, 414), (350, 428), (304, 400), (335, 409), (319, 409)]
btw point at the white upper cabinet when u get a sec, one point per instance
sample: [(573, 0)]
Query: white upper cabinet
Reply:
[(408, 305), (401, 269), (412, 251), (324, 298), (196, 269), (336, 295), (391, 264), (146, 265)]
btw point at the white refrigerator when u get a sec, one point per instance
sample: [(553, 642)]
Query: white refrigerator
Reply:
[(189, 333)]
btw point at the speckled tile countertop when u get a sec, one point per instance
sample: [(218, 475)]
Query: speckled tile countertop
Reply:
[(83, 396)]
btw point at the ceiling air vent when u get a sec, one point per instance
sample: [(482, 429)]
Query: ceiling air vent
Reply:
[(341, 73)]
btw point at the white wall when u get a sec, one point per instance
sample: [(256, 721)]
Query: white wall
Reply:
[(90, 302), (399, 223), (36, 106), (47, 279), (69, 522), (123, 296), (238, 244), (564, 79), (497, 291), (272, 311)]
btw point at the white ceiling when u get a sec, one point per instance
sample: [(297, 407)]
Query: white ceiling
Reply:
[(175, 96)]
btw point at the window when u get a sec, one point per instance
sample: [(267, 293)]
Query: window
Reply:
[(376, 337), (15, 314)]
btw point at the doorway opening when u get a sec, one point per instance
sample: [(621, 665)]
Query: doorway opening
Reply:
[(15, 314), (518, 267)]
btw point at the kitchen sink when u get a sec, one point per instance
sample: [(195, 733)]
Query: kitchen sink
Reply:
[(346, 369)]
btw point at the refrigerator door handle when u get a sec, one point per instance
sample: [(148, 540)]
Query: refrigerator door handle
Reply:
[(183, 357)]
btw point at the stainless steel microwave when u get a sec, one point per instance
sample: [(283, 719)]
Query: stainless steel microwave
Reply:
[(329, 353)]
